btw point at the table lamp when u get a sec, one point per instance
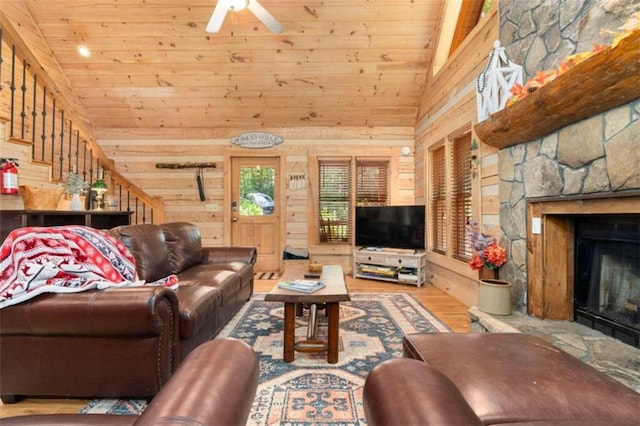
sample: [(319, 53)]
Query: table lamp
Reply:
[(99, 187)]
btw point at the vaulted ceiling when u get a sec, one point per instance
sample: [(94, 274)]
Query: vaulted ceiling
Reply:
[(153, 65)]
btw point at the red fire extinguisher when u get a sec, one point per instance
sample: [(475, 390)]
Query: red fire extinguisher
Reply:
[(8, 176)]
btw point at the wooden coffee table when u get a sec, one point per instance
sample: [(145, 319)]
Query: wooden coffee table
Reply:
[(335, 292)]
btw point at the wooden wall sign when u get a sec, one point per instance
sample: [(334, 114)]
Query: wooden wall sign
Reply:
[(257, 140)]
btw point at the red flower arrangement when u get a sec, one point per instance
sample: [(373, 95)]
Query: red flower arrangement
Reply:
[(486, 250)]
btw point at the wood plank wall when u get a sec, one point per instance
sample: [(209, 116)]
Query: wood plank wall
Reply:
[(448, 107), (136, 152)]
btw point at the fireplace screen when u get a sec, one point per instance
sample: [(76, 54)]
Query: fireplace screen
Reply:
[(607, 291)]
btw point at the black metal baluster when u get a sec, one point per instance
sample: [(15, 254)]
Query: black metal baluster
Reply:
[(77, 167), (144, 213), (34, 116), (152, 220), (43, 136), (13, 86), (90, 166), (53, 131), (61, 157), (84, 162), (70, 146), (136, 204), (23, 113)]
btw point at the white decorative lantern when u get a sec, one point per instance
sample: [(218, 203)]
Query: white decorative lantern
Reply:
[(495, 81)]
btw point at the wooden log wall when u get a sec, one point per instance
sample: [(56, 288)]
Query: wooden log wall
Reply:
[(135, 154), (448, 106)]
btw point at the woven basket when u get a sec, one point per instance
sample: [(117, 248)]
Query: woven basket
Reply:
[(40, 198)]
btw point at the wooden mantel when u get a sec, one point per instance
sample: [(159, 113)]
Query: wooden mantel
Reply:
[(606, 80), (550, 254)]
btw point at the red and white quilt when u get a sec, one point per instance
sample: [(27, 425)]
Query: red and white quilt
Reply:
[(64, 259)]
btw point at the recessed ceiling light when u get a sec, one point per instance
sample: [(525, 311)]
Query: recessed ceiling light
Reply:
[(84, 51)]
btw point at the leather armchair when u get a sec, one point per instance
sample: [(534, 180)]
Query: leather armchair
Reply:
[(215, 385)]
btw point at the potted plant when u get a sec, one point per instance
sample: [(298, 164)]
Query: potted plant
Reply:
[(494, 295), (74, 185)]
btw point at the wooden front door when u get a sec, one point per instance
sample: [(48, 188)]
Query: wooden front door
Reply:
[(255, 208)]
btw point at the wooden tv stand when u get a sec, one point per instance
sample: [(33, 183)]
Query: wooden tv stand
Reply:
[(398, 266)]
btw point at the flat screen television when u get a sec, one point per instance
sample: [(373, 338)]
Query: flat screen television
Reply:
[(401, 227)]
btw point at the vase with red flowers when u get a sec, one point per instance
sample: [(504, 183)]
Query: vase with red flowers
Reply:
[(494, 295)]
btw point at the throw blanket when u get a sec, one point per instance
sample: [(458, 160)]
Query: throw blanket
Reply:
[(64, 259)]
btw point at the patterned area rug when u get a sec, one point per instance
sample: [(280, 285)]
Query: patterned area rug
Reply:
[(309, 391)]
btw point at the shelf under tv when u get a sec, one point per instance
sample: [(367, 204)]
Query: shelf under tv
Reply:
[(399, 266)]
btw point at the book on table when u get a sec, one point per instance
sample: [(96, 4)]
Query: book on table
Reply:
[(305, 286)]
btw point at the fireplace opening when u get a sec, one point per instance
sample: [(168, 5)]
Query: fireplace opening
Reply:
[(607, 275)]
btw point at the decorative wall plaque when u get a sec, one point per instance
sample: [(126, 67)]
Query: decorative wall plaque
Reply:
[(257, 140)]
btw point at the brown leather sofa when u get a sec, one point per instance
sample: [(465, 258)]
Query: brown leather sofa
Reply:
[(125, 342), (215, 385), (489, 379)]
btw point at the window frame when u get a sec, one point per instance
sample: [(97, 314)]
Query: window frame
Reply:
[(448, 237), (325, 230)]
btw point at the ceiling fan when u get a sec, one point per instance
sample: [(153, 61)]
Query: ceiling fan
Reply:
[(223, 6)]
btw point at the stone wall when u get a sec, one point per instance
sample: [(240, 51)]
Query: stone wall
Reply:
[(598, 155)]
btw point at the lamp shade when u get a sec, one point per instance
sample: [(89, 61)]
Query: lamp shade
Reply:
[(99, 185)]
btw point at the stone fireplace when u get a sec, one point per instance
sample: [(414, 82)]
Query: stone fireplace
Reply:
[(583, 261), (553, 187)]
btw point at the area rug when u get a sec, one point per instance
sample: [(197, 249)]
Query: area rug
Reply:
[(309, 391)]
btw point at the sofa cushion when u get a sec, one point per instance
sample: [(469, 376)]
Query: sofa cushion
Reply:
[(184, 244), (245, 270), (147, 244), (227, 282), (515, 378)]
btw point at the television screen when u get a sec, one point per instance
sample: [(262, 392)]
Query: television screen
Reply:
[(390, 226)]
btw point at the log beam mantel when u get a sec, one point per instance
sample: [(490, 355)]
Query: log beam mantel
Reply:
[(607, 79)]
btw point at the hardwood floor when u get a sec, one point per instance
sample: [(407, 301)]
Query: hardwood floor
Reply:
[(447, 309)]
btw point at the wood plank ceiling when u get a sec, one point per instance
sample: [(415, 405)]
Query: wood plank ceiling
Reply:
[(152, 65)]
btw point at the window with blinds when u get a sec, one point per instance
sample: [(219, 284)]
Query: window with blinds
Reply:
[(334, 200), (372, 182), (339, 193), (460, 184), (438, 199)]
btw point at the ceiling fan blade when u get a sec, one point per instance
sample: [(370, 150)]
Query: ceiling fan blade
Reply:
[(217, 17), (264, 16)]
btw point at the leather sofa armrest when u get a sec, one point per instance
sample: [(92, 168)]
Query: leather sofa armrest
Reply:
[(214, 385), (408, 392), (229, 254), (111, 312)]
